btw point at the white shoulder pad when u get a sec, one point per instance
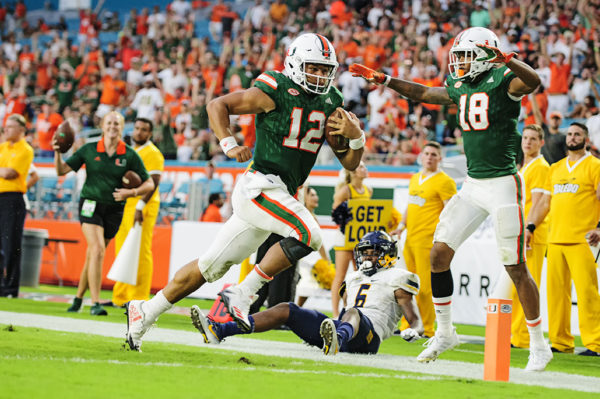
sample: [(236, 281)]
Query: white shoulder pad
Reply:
[(404, 279)]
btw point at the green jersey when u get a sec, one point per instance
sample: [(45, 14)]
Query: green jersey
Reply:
[(487, 115), (104, 173), (289, 137)]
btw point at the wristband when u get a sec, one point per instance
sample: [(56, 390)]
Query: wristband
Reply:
[(530, 227), (227, 144), (140, 205), (387, 80), (357, 144)]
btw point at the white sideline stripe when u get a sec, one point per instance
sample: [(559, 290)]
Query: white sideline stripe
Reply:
[(547, 379), (205, 367)]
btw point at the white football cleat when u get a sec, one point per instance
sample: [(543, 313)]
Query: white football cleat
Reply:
[(539, 358), (238, 304), (137, 325), (207, 327), (438, 344), (329, 334)]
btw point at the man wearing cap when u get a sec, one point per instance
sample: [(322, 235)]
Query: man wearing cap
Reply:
[(15, 159), (555, 147), (148, 99)]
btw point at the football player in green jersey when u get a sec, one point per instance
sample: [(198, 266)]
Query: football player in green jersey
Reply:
[(487, 85), (291, 111)]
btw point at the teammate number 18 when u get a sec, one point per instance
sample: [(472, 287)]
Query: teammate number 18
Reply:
[(477, 110)]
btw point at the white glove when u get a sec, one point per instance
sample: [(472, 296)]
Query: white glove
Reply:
[(410, 335)]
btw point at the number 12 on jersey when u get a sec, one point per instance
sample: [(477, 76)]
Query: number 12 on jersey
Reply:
[(477, 112), (306, 143)]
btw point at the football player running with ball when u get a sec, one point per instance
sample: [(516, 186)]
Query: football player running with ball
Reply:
[(487, 85), (380, 293), (291, 112)]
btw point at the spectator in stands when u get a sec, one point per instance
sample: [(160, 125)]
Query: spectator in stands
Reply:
[(47, 123), (480, 16), (279, 12), (15, 160), (555, 147), (560, 72), (148, 99), (163, 134), (212, 212), (256, 15)]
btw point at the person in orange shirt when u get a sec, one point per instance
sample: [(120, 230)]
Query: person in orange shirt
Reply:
[(339, 14), (212, 213), (213, 77), (535, 105), (279, 12), (430, 80), (215, 26), (45, 126), (374, 54), (558, 92)]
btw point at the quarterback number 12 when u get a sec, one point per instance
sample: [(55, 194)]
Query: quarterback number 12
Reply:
[(477, 112), (305, 143)]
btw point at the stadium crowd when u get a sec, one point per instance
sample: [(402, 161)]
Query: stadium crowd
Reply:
[(160, 67)]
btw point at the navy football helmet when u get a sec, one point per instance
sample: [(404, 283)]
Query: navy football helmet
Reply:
[(384, 252)]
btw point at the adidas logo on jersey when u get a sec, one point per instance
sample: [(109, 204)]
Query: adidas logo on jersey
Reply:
[(328, 101), (490, 80)]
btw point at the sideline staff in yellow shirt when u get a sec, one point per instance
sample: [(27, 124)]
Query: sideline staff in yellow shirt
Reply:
[(574, 206), (15, 159), (428, 192), (535, 174), (143, 209)]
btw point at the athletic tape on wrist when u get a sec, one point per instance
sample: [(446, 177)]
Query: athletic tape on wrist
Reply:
[(387, 80), (227, 144), (357, 144), (140, 205)]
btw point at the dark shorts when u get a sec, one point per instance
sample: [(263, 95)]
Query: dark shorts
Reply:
[(108, 216), (306, 324)]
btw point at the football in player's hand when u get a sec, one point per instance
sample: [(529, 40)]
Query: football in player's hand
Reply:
[(64, 136), (337, 142), (131, 179)]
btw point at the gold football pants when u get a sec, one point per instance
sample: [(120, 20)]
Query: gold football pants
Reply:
[(535, 261), (417, 261), (575, 263)]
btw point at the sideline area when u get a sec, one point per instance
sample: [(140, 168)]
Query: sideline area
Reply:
[(285, 349)]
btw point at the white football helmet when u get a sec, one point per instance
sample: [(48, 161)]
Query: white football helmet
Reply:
[(465, 51), (311, 48)]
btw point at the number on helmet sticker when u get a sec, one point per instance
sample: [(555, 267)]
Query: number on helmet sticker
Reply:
[(306, 143), (477, 112)]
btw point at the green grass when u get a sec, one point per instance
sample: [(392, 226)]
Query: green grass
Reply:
[(67, 365)]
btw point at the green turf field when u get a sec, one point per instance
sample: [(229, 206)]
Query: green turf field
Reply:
[(39, 363)]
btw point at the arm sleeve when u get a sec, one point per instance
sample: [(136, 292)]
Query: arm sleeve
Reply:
[(156, 164), (448, 189), (267, 82), (138, 166), (539, 180), (22, 161), (76, 160)]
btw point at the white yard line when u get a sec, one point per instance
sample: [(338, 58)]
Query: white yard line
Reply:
[(299, 351)]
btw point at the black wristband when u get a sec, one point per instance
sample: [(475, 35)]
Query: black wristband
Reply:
[(530, 227), (598, 225)]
